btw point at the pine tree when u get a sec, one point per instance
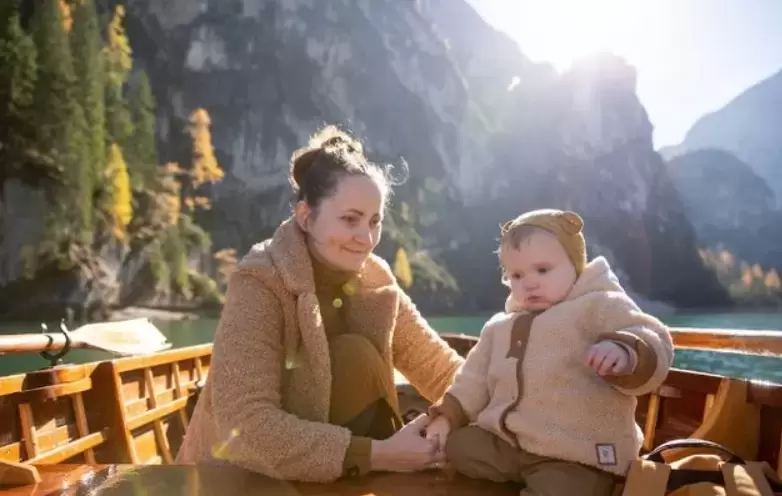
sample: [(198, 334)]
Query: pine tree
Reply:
[(59, 118), (87, 46), (17, 85), (55, 78), (80, 174), (143, 157), (117, 56), (89, 93)]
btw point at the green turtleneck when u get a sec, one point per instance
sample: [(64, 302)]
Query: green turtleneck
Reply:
[(330, 288)]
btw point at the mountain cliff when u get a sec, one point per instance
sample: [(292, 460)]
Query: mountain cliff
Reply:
[(410, 80), (730, 206), (750, 127), (271, 72), (428, 86), (583, 141), (727, 171)]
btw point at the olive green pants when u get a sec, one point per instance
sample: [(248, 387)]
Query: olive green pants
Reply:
[(363, 393), (480, 454)]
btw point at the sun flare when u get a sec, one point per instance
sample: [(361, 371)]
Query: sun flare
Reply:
[(560, 31), (569, 29)]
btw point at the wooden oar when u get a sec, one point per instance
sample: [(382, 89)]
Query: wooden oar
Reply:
[(128, 337)]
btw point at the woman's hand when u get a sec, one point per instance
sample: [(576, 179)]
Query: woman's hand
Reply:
[(407, 450)]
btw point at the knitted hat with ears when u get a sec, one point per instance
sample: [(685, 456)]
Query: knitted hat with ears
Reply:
[(565, 225)]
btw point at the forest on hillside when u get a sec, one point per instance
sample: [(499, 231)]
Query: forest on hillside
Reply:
[(76, 129), (79, 127)]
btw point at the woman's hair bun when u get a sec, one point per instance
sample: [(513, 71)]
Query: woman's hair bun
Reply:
[(302, 161), (330, 137)]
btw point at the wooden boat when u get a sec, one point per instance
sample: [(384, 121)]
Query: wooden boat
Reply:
[(115, 421)]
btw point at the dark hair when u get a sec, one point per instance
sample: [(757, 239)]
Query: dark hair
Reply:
[(331, 154)]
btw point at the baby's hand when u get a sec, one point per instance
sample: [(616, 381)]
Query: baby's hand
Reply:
[(608, 358), (438, 431)]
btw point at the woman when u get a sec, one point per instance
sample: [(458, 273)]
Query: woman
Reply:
[(301, 383)]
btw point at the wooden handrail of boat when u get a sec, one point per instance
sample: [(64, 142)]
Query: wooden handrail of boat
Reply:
[(761, 342), (163, 357)]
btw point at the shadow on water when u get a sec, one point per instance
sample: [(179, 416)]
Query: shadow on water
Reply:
[(187, 333)]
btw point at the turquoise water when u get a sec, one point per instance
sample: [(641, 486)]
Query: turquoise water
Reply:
[(729, 364)]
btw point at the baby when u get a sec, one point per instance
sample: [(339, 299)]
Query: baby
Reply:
[(547, 396)]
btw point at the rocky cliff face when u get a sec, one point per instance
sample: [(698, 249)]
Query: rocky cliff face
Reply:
[(270, 72), (404, 78), (738, 146), (584, 142), (411, 79), (730, 206)]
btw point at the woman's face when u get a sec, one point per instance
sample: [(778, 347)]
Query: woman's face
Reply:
[(346, 226)]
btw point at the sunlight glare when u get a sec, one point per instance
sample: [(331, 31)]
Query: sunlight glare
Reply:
[(561, 31)]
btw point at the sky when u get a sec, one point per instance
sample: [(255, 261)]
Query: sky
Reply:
[(692, 56)]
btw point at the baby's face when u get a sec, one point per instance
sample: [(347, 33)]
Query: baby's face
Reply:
[(539, 271)]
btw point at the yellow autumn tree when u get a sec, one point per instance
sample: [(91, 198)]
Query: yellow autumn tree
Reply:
[(772, 280), (226, 259), (402, 268), (67, 15), (122, 207), (205, 166), (757, 271), (746, 278), (727, 259), (118, 52), (170, 199), (704, 255)]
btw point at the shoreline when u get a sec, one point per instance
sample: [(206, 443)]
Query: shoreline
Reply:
[(160, 314)]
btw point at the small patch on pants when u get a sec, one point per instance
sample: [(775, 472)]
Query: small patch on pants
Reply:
[(606, 454)]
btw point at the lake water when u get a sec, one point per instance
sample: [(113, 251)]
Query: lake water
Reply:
[(729, 364)]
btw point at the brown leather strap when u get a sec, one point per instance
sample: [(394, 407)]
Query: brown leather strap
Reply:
[(646, 478)]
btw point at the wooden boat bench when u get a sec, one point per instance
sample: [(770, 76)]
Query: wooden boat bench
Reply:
[(129, 410), (44, 417)]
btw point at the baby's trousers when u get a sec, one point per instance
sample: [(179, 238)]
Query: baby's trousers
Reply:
[(480, 454)]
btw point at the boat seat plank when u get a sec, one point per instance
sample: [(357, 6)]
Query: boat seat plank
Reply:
[(70, 450), (42, 394), (158, 392), (18, 474), (50, 424)]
